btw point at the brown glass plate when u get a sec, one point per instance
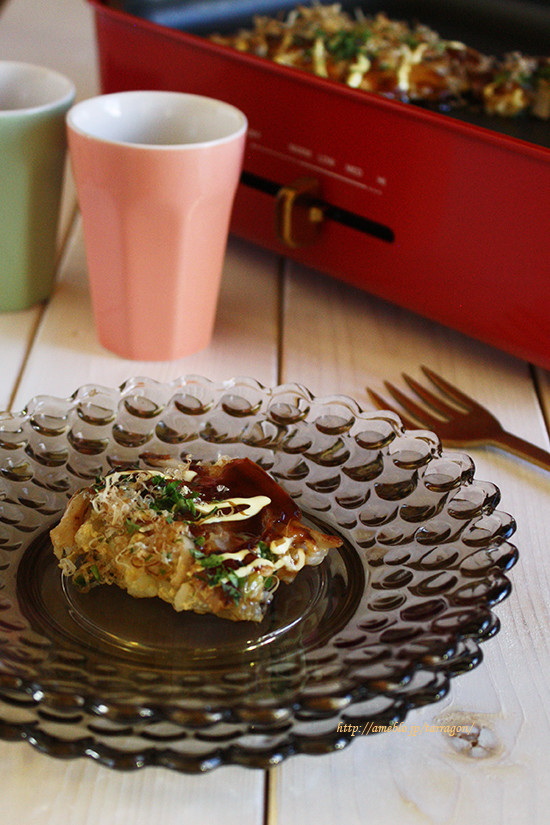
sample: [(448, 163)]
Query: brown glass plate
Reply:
[(378, 628)]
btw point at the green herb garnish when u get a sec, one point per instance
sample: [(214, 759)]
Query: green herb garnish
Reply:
[(345, 45), (232, 586), (131, 527), (173, 497), (95, 572), (215, 573), (265, 552)]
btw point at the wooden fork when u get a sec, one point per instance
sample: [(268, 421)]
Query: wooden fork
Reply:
[(459, 420)]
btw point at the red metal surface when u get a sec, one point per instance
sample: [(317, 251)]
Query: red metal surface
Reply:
[(469, 208)]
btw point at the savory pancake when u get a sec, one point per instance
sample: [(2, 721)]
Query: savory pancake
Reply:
[(398, 60), (208, 537)]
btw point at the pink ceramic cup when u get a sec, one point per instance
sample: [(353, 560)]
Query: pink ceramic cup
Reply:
[(156, 175)]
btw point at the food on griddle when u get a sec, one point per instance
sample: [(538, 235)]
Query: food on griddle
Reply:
[(400, 61), (208, 537)]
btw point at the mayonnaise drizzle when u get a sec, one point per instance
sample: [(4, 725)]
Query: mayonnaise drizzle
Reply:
[(239, 509), (279, 547)]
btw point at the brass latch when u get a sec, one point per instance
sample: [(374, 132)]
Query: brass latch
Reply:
[(299, 212)]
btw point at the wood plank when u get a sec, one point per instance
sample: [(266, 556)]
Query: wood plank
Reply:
[(353, 339), (57, 34), (61, 38), (67, 353), (542, 380), (336, 339), (372, 340), (37, 788), (16, 333)]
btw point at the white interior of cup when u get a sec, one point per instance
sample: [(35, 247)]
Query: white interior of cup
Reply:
[(24, 86), (152, 118)]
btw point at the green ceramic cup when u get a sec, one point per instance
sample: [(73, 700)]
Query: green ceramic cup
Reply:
[(33, 104)]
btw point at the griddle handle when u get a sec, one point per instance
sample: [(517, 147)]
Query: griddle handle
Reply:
[(299, 213)]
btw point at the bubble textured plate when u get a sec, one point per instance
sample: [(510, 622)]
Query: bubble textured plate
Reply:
[(378, 628)]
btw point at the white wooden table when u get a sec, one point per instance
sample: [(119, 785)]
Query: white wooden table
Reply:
[(352, 340)]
